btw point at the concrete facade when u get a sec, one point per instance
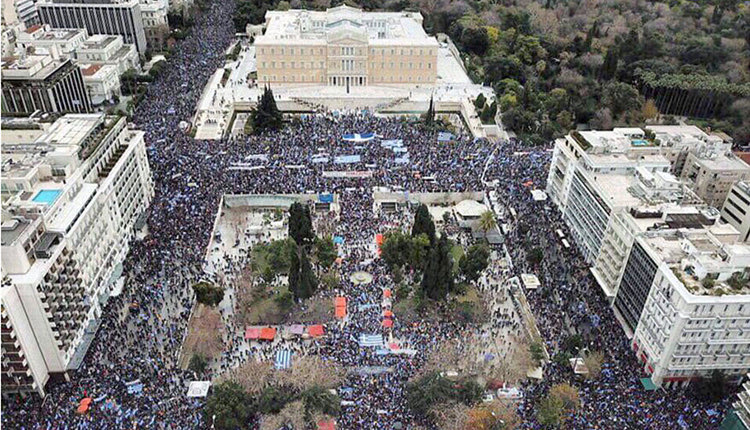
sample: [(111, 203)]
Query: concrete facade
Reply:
[(61, 254), (736, 209), (346, 47)]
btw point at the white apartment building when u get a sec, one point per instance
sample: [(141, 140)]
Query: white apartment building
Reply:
[(713, 175), (102, 82), (72, 199), (690, 294), (736, 209), (61, 41), (107, 49)]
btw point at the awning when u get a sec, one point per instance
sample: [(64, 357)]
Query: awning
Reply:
[(339, 301), (267, 333), (252, 333), (297, 329), (340, 304), (648, 384), (315, 330)]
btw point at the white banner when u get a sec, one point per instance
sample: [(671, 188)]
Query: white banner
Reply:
[(348, 174)]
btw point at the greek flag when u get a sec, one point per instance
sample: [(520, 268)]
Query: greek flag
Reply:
[(356, 137), (371, 340), (283, 359)]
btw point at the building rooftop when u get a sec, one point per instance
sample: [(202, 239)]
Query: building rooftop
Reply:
[(298, 27), (695, 255), (743, 186), (12, 230), (99, 41), (32, 67), (724, 163), (90, 69), (72, 129)]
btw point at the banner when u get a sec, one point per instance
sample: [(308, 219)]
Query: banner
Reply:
[(348, 174)]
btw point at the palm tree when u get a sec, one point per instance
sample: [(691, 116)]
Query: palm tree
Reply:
[(487, 222)]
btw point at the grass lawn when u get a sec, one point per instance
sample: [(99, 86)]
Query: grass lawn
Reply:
[(457, 251)]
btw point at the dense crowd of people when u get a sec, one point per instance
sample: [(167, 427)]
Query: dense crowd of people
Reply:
[(142, 328)]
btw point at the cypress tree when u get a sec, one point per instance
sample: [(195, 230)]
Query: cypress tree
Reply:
[(423, 223), (437, 281), (294, 271), (609, 67), (300, 224), (266, 115), (308, 282)]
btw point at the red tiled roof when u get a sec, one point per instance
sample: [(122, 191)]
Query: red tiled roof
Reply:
[(33, 28), (88, 71)]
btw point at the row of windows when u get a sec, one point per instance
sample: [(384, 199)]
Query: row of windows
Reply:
[(350, 50), (346, 65)]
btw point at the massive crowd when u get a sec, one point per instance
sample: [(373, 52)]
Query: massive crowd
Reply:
[(142, 343)]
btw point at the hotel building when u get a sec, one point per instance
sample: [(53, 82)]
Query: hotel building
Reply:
[(619, 197), (346, 47), (72, 200), (41, 82)]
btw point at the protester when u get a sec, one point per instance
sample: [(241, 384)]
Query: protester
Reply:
[(141, 330)]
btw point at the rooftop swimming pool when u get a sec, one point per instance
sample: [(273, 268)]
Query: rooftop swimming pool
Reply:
[(46, 196), (639, 142)]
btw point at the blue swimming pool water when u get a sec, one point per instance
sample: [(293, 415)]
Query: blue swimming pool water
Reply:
[(639, 142), (46, 196)]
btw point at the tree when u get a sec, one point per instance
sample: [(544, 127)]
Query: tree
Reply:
[(621, 97), (395, 249), (423, 223), (593, 361), (300, 224), (535, 256), (609, 67), (325, 252), (480, 101), (228, 407), (474, 261), (649, 110), (713, 389), (272, 399), (266, 116), (487, 222), (568, 396), (302, 280), (537, 352), (549, 411), (437, 280), (198, 363), (429, 116), (208, 294)]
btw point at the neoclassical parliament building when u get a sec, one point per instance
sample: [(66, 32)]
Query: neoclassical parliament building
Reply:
[(347, 47)]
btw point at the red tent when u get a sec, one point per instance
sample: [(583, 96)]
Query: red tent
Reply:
[(315, 330), (267, 333), (340, 311), (388, 322), (252, 333), (393, 346), (326, 425), (379, 239), (387, 314), (83, 407), (340, 303), (387, 292)]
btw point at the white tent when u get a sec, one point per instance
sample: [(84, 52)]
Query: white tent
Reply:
[(198, 388), (538, 195), (531, 282)]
